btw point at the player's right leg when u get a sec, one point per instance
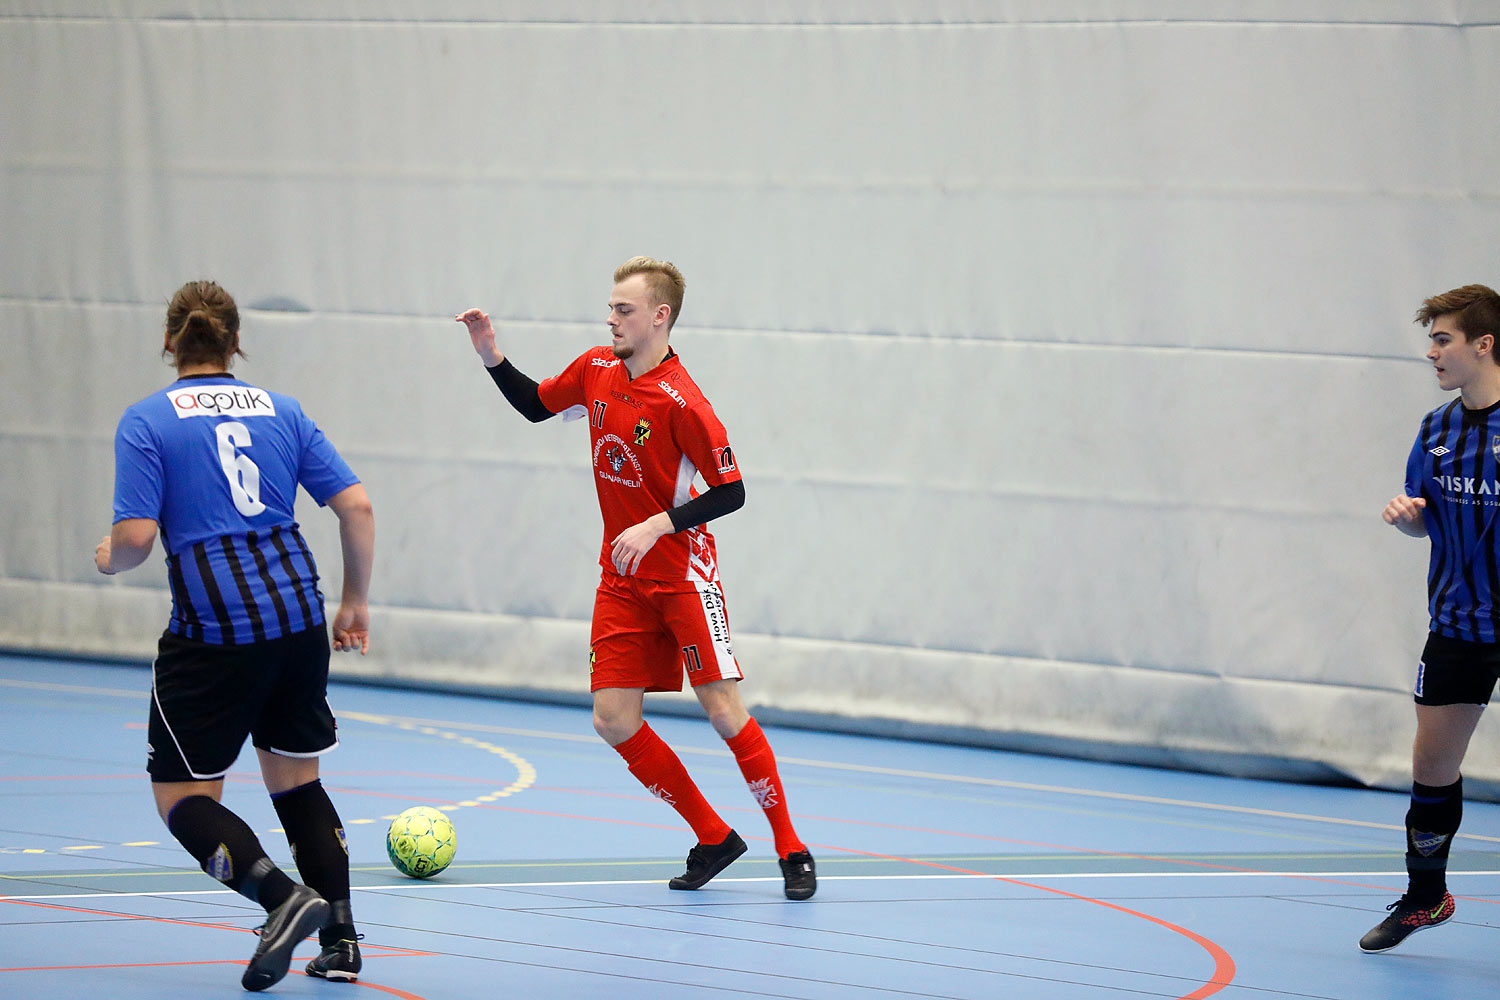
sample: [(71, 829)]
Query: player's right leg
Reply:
[(295, 729), (631, 653), (202, 700), (1455, 681)]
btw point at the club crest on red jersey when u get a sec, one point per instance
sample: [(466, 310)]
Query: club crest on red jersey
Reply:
[(643, 431)]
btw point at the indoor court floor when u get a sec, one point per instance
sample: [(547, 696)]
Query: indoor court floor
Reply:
[(944, 871)]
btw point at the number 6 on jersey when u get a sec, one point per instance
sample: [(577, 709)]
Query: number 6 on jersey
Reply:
[(243, 474)]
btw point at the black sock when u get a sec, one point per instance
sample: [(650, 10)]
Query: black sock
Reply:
[(228, 850), (1431, 822), (316, 835)]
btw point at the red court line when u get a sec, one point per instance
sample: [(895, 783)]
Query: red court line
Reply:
[(127, 916), (1224, 968), (214, 961), (386, 950), (137, 776), (120, 965)]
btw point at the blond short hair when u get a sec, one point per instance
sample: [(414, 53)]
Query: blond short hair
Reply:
[(663, 281)]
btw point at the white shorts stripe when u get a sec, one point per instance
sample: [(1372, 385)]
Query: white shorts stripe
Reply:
[(716, 622)]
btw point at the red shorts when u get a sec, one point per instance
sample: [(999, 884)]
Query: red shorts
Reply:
[(647, 632)]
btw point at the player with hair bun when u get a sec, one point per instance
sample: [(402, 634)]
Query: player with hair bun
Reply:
[(214, 463)]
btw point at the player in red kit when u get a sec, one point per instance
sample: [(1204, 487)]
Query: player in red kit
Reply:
[(659, 610)]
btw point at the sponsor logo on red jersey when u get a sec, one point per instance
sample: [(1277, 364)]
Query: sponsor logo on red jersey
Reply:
[(673, 393), (611, 456)]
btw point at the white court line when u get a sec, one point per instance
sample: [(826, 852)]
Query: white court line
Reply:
[(1018, 877), (963, 779), (381, 718)]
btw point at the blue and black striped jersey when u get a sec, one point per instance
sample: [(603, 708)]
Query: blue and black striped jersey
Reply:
[(1455, 466), (216, 462)]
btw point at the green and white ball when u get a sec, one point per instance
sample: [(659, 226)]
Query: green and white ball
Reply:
[(421, 842)]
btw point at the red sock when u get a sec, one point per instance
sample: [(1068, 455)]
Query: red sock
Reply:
[(655, 765), (758, 765)]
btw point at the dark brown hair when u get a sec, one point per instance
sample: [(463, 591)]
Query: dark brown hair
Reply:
[(203, 326), (1475, 310)]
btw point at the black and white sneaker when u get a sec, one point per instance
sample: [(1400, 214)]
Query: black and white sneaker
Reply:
[(705, 861), (303, 912), (801, 875), (1405, 920), (339, 961)]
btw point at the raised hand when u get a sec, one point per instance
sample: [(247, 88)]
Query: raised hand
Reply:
[(481, 335)]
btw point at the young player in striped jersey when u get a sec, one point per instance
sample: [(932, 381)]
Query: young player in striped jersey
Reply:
[(1452, 497), (214, 464), (659, 609)]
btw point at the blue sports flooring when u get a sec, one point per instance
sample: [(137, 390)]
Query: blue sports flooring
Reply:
[(945, 872)]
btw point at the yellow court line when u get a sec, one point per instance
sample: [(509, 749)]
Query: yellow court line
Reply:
[(73, 688)]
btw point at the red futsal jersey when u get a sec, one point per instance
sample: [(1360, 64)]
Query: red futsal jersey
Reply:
[(650, 437)]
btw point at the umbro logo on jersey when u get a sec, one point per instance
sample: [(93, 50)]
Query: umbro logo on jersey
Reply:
[(1439, 451)]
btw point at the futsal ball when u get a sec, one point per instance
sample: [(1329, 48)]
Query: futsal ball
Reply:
[(421, 842)]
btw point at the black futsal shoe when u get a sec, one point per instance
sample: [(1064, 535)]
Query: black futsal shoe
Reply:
[(801, 875), (339, 961), (303, 912), (1405, 920), (705, 861)]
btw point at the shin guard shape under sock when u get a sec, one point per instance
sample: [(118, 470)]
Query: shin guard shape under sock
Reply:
[(316, 835), (228, 850), (1431, 822)]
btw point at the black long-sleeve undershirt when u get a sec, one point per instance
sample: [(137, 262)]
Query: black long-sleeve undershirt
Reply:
[(521, 392), (716, 501)]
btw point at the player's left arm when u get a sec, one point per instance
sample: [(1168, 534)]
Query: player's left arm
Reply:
[(126, 546), (351, 624)]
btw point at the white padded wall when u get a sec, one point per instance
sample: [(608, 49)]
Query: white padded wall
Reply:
[(1065, 346)]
